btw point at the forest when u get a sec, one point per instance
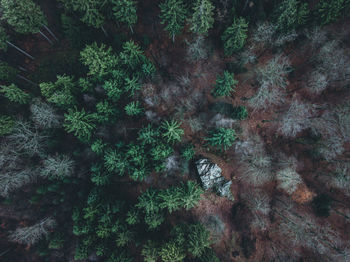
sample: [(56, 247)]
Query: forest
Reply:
[(175, 130)]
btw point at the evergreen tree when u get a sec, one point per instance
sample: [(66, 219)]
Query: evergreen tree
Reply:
[(291, 14), (132, 217), (148, 135), (61, 92), (235, 36), (131, 56), (115, 162), (98, 146), (3, 39), (106, 113), (149, 201), (113, 87), (222, 138), (172, 131), (125, 12), (329, 11), (7, 72), (133, 108), (14, 94), (198, 240), (190, 194), (170, 199), (150, 252), (203, 17), (172, 252), (132, 85), (6, 125), (173, 14), (188, 152), (225, 84), (24, 16), (80, 123), (154, 219), (90, 9), (99, 59)]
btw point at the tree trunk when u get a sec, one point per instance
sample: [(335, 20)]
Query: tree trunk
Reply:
[(104, 31), (27, 80), (50, 32), (48, 40), (20, 50)]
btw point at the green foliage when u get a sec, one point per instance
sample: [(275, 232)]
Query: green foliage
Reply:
[(133, 108), (115, 162), (148, 135), (14, 94), (132, 85), (199, 240), (290, 14), (106, 112), (61, 92), (188, 152), (190, 194), (235, 112), (170, 198), (132, 217), (131, 56), (3, 39), (99, 59), (91, 10), (113, 87), (171, 131), (172, 252), (329, 11), (149, 201), (125, 12), (56, 241), (173, 14), (124, 237), (6, 125), (208, 256), (98, 146), (7, 72), (98, 176), (225, 84), (222, 138), (203, 17), (24, 16), (80, 123), (235, 36), (150, 252), (81, 252), (161, 151), (154, 219), (240, 112)]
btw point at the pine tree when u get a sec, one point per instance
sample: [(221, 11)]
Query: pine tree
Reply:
[(80, 123), (99, 59), (154, 219), (24, 16), (61, 92), (172, 252), (172, 131), (222, 138), (7, 72), (188, 152), (14, 94), (173, 14), (170, 199), (115, 162), (225, 84), (329, 11), (149, 201), (6, 125), (125, 12), (235, 36), (132, 85), (190, 194), (133, 108), (291, 14), (198, 240), (106, 113), (150, 252), (132, 217), (148, 135), (113, 87), (203, 17), (131, 56)]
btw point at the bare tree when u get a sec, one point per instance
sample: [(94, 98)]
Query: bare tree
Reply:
[(297, 118), (263, 33), (58, 167), (15, 179), (288, 179), (44, 115), (32, 234), (317, 82)]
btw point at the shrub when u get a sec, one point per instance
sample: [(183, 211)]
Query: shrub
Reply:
[(14, 94), (80, 123), (235, 36), (222, 138), (225, 84), (32, 234), (172, 131)]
